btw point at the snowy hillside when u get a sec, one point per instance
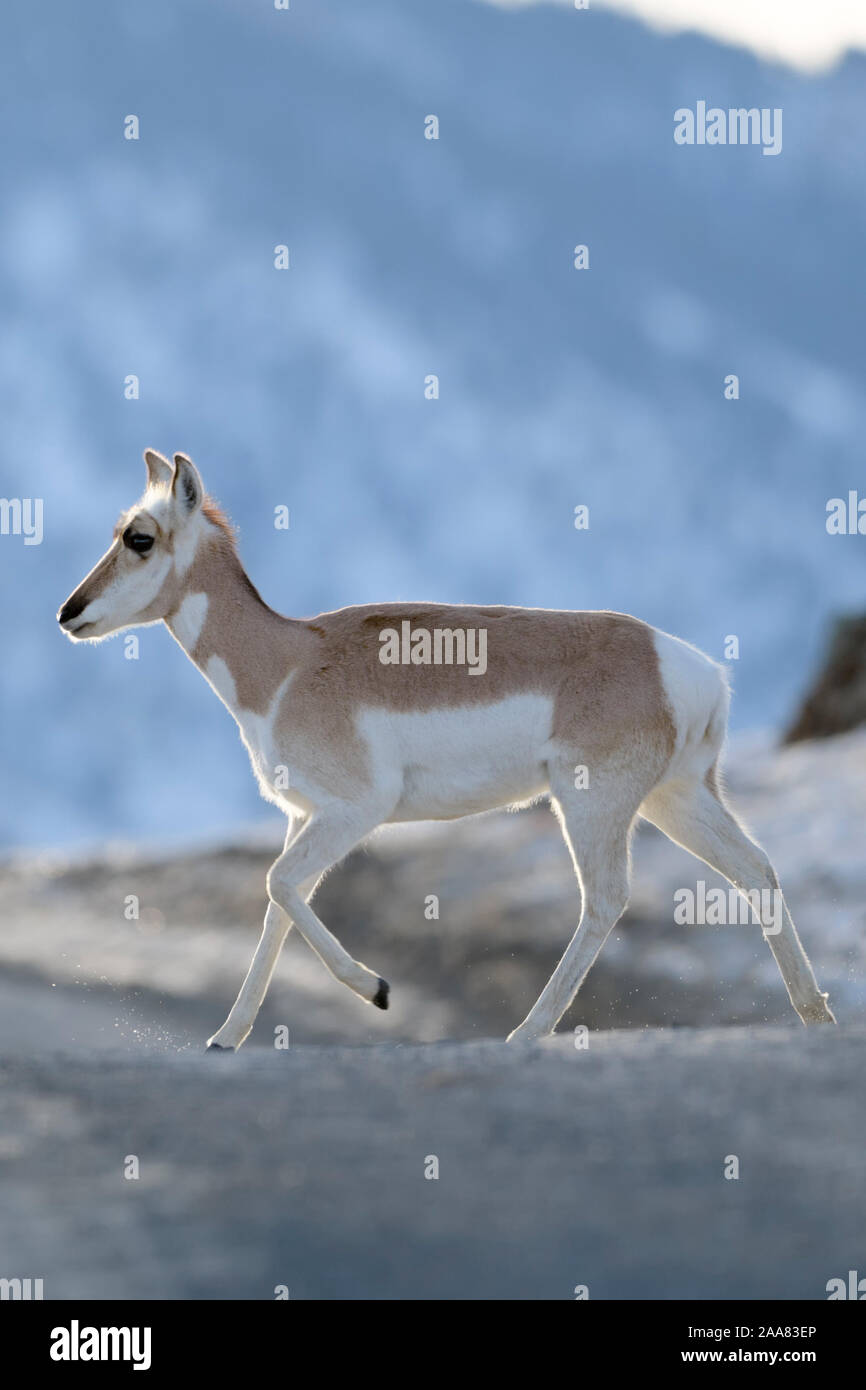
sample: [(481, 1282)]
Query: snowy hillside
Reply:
[(411, 257)]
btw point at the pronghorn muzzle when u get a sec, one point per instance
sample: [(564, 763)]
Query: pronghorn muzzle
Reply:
[(69, 616), (72, 608)]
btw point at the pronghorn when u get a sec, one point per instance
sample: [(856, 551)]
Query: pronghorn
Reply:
[(362, 742)]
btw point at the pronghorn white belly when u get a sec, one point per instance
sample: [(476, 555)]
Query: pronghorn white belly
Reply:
[(455, 762)]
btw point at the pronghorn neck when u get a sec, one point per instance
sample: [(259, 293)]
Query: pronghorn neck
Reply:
[(243, 648)]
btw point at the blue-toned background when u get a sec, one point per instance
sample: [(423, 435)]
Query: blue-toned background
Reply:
[(411, 257)]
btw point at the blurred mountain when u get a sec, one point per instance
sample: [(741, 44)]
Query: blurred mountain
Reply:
[(836, 700), (411, 257)]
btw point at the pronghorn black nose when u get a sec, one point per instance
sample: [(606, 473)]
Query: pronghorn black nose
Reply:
[(70, 610)]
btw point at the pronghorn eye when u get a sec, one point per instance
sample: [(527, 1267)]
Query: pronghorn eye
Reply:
[(137, 540)]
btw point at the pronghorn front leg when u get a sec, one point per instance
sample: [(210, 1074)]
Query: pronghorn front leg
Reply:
[(325, 838), (254, 988)]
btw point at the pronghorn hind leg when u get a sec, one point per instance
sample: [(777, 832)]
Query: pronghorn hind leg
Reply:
[(596, 828), (322, 840), (694, 816)]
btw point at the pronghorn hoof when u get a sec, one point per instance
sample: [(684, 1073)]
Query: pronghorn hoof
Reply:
[(380, 998), (818, 1013), (218, 1047)]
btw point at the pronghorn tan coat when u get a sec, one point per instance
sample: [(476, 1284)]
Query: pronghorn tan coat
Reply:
[(610, 717)]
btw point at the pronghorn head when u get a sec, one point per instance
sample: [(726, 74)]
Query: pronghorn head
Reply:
[(140, 578)]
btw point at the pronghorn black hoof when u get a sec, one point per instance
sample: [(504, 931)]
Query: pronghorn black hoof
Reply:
[(380, 998), (217, 1047)]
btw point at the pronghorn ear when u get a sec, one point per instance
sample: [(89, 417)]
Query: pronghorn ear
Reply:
[(187, 485), (159, 470)]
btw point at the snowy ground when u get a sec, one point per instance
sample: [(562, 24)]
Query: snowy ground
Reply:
[(557, 1168)]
